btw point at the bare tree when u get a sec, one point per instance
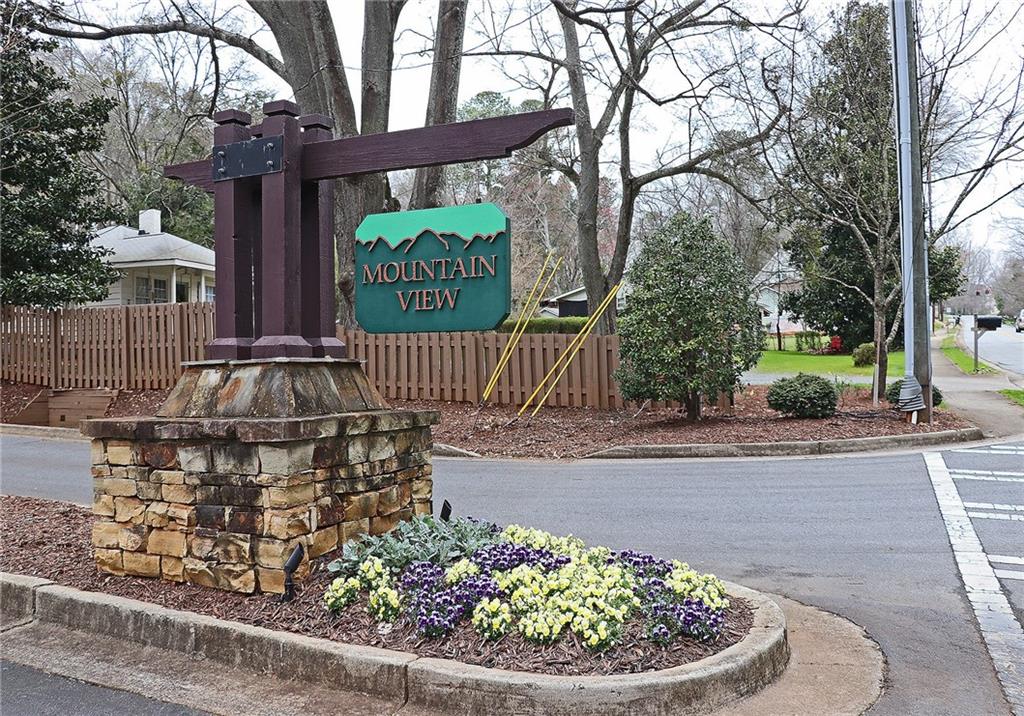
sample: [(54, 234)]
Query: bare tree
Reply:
[(835, 162), (613, 60), (310, 61), (444, 89), (166, 89)]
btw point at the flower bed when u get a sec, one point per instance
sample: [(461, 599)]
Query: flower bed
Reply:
[(434, 578), (65, 529)]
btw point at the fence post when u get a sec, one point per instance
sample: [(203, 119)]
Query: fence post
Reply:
[(126, 348), (54, 372)]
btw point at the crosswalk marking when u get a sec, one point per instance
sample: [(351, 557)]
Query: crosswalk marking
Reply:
[(996, 516), (994, 506), (1000, 630), (1009, 574), (1004, 559), (980, 451), (987, 477)]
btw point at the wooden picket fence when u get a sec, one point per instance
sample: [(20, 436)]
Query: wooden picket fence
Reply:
[(142, 347), (456, 367), (119, 347)]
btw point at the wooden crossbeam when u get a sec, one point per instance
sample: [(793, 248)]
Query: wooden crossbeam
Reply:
[(476, 140)]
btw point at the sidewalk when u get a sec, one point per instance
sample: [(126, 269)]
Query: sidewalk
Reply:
[(976, 397)]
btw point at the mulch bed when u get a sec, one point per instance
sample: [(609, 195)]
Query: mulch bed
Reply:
[(136, 402), (576, 432), (52, 540), (14, 397)]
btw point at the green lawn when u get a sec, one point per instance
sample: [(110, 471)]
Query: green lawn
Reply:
[(961, 359), (789, 361), (1014, 394)]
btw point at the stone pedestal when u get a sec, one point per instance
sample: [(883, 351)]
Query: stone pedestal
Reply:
[(245, 460)]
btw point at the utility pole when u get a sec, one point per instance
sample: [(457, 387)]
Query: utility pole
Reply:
[(915, 394)]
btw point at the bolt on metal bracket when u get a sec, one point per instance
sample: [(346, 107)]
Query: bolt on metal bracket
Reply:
[(253, 157)]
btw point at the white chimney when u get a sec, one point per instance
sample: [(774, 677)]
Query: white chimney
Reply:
[(149, 221)]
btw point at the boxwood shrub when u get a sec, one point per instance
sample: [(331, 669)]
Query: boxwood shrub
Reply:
[(568, 324), (892, 393), (804, 396), (864, 354)]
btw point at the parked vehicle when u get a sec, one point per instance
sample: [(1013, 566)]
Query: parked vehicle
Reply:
[(1018, 324)]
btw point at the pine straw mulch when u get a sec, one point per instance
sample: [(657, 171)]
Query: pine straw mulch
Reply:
[(52, 540), (576, 432)]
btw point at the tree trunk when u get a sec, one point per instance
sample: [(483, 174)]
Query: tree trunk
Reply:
[(588, 181), (444, 93), (693, 406), (881, 347), (304, 32)]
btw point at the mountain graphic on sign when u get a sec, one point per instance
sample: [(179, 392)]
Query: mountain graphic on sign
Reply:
[(444, 238), (469, 223)]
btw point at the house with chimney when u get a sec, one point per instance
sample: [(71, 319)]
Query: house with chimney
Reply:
[(155, 267)]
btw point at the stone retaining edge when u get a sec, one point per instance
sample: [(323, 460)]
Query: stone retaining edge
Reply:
[(444, 686), (740, 670), (810, 447)]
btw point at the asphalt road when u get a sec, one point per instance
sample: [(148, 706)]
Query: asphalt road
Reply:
[(859, 536), (27, 691), (1003, 347)]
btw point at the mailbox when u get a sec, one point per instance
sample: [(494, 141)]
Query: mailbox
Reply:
[(990, 323)]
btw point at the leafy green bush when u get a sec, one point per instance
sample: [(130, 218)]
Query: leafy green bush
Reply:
[(892, 393), (804, 396), (568, 324), (693, 326), (808, 341), (422, 539), (864, 354)]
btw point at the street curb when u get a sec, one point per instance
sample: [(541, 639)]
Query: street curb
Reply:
[(42, 431), (437, 685), (443, 450), (810, 447)]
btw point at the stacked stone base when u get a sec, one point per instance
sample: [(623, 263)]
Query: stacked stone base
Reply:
[(195, 502)]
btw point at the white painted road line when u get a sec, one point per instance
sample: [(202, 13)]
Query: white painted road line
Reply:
[(1002, 633), (987, 478), (990, 451), (960, 472), (993, 506), (1005, 559), (996, 516), (1009, 574)]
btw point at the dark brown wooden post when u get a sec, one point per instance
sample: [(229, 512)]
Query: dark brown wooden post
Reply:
[(235, 214), (280, 299), (318, 298)]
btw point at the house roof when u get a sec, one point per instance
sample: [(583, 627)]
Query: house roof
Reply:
[(778, 269), (130, 246), (576, 294)]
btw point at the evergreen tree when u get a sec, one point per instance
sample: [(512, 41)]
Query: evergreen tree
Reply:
[(48, 197), (691, 327)]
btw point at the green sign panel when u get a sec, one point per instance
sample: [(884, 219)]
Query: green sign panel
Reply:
[(444, 269)]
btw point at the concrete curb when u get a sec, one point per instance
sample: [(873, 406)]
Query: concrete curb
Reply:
[(434, 685), (443, 450), (811, 447), (41, 431)]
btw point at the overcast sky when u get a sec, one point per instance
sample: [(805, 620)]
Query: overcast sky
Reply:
[(411, 80)]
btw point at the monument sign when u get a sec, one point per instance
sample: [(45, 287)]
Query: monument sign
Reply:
[(442, 269)]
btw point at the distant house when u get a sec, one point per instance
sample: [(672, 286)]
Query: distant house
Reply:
[(574, 303), (156, 267), (775, 279)]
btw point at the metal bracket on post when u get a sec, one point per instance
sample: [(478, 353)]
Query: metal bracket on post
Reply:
[(251, 158)]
